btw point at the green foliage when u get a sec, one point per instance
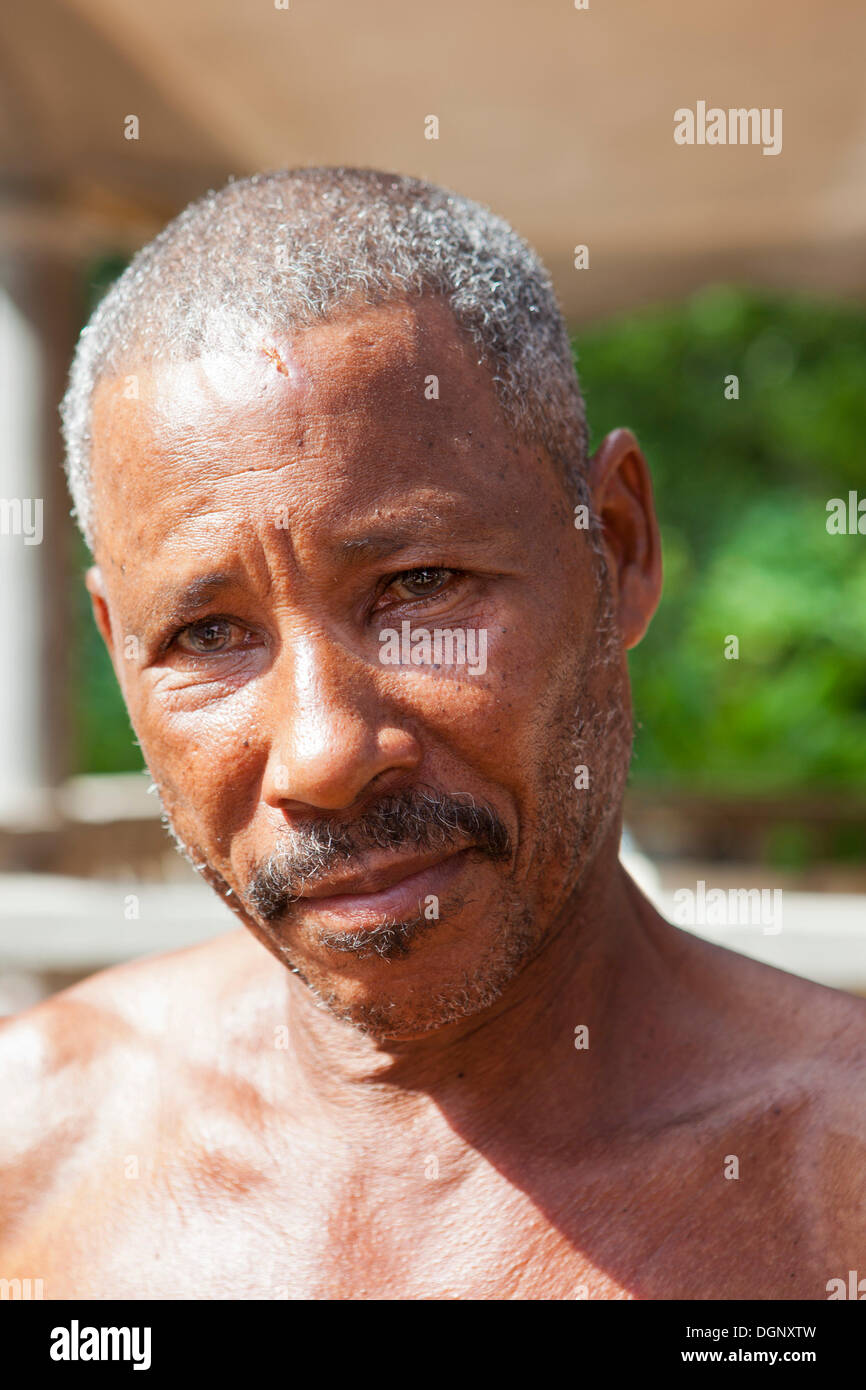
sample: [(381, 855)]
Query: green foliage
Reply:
[(742, 487)]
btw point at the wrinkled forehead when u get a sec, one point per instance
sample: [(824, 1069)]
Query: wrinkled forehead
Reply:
[(390, 395)]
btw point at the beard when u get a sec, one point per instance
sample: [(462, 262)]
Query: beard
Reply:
[(588, 723)]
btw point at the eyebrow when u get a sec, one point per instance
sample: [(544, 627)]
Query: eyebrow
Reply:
[(379, 545), (176, 601), (375, 547)]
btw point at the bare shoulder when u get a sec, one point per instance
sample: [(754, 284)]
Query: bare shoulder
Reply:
[(101, 1059), (828, 1084), (141, 1003), (790, 1061), (809, 1026)]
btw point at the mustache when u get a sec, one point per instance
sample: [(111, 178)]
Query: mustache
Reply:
[(419, 818)]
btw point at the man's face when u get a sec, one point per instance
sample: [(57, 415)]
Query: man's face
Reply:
[(406, 834)]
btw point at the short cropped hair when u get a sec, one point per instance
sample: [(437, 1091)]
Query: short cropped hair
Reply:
[(282, 251)]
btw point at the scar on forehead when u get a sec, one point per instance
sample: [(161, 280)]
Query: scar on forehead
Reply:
[(277, 360)]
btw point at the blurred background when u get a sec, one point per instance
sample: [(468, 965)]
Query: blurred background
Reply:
[(703, 263)]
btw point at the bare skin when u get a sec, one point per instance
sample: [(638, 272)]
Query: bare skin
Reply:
[(200, 1125)]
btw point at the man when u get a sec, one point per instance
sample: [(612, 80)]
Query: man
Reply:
[(368, 601)]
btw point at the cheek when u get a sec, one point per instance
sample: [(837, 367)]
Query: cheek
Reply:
[(207, 762), (498, 721)]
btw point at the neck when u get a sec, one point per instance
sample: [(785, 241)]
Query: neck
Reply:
[(513, 1065)]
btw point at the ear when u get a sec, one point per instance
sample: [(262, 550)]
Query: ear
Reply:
[(622, 498), (99, 604)]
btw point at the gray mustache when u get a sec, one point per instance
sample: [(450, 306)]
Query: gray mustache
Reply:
[(417, 819)]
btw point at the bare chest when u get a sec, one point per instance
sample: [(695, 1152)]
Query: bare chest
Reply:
[(235, 1230)]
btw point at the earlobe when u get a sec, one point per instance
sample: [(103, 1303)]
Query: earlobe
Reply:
[(622, 497)]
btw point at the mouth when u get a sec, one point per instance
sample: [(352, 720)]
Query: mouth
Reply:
[(400, 889)]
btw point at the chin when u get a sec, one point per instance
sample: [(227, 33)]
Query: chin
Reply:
[(396, 1000), (385, 1020)]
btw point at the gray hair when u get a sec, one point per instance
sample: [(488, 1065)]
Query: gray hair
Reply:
[(282, 251)]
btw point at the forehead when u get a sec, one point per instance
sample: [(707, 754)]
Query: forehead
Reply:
[(379, 403)]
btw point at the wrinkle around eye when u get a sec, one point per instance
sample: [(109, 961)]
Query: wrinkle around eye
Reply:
[(196, 687), (232, 668)]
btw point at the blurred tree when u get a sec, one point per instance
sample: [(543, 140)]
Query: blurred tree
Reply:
[(742, 487)]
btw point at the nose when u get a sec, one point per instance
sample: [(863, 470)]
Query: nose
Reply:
[(331, 731)]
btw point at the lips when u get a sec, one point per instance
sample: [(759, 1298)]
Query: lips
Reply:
[(374, 880), (398, 889)]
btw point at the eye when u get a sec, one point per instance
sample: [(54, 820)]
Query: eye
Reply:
[(206, 638), (420, 583)]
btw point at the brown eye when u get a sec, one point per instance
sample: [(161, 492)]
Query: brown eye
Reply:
[(421, 583), (206, 638)]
